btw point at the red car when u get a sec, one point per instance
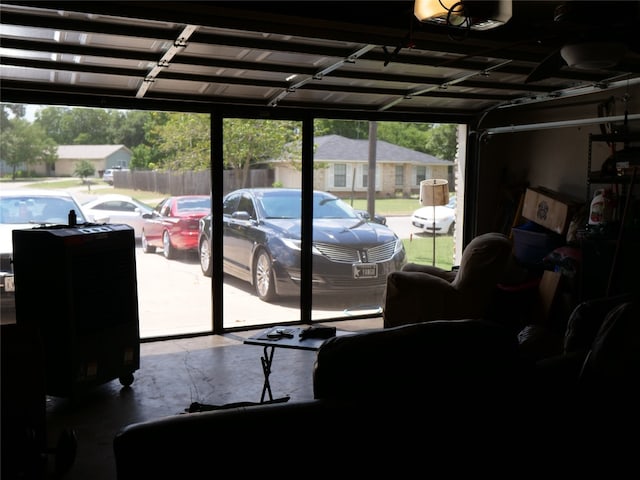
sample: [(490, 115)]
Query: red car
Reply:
[(173, 224)]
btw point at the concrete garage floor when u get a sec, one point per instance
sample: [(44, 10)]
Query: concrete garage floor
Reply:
[(215, 369)]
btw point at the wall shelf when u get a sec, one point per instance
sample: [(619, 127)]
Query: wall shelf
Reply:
[(596, 177), (610, 255)]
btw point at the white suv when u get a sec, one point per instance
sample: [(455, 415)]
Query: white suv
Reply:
[(108, 176)]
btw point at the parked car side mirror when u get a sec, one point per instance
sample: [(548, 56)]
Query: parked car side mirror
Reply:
[(376, 218), (241, 216)]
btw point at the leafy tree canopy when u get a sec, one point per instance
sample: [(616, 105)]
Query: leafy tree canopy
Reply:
[(12, 110), (81, 126), (181, 141), (249, 142), (357, 129), (145, 154), (84, 169), (435, 139), (184, 141), (23, 144)]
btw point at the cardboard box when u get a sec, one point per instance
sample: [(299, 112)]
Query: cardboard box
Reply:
[(552, 210)]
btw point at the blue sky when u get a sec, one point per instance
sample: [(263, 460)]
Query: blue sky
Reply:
[(31, 112)]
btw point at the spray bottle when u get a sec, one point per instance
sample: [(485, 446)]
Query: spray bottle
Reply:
[(601, 207)]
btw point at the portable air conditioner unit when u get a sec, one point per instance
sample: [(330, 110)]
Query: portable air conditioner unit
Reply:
[(77, 285)]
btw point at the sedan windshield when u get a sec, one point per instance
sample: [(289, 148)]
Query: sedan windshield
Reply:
[(37, 209), (286, 205), (195, 204)]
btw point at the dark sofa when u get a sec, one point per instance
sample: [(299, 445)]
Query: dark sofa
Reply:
[(444, 394), (368, 387)]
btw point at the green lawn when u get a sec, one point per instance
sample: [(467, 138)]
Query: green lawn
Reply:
[(97, 187), (389, 206), (65, 183), (420, 250)]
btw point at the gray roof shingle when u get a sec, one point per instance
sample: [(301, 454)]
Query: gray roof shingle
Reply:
[(88, 152), (339, 148)]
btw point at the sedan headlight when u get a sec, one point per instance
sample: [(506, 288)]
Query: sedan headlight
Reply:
[(399, 246), (297, 245)]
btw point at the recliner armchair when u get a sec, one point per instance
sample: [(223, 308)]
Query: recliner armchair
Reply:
[(422, 293)]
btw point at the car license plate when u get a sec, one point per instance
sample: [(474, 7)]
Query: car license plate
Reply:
[(365, 270), (9, 285)]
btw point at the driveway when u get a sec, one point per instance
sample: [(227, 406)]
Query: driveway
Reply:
[(402, 226), (174, 297)]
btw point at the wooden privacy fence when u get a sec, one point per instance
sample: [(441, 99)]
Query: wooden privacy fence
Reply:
[(188, 183)]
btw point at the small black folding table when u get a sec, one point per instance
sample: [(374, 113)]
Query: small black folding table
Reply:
[(282, 337)]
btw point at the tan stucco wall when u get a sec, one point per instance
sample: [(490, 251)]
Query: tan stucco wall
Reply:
[(293, 179), (66, 167)]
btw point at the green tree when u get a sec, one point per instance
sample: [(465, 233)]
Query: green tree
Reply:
[(439, 140), (93, 126), (16, 110), (50, 120), (249, 142), (408, 135), (129, 127), (142, 157), (146, 155), (73, 126), (86, 126), (358, 129), (23, 144), (442, 141), (84, 169), (184, 141)]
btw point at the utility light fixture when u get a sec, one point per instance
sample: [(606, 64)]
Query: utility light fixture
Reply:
[(593, 55), (473, 14)]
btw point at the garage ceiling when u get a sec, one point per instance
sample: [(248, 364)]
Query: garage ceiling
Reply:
[(352, 58)]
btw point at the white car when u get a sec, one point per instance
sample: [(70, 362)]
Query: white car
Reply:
[(22, 208), (445, 216), (116, 208), (107, 176)]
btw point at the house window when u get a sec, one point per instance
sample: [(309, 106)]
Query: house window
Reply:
[(421, 174), (362, 172), (340, 175), (399, 175)]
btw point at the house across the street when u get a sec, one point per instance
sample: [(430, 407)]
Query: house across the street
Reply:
[(101, 156), (399, 170)]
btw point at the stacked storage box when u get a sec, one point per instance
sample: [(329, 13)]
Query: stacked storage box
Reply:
[(549, 214), (532, 242)]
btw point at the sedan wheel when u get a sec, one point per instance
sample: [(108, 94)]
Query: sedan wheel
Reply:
[(169, 251), (451, 228), (263, 277), (146, 248), (205, 258)]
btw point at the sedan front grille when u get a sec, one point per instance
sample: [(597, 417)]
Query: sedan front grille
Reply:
[(341, 254), (338, 253), (382, 253)]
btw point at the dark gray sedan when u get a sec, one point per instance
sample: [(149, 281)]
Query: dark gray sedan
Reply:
[(262, 244)]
